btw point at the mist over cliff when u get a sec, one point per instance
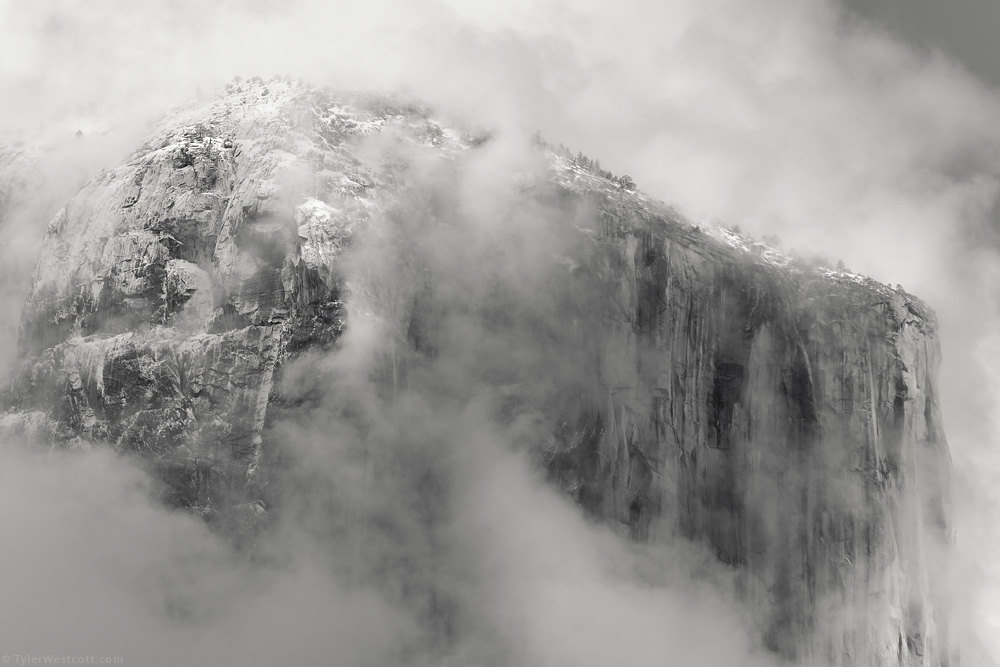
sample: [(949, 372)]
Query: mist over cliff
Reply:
[(789, 119)]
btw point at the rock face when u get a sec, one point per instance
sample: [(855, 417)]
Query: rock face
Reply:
[(783, 414), (790, 421)]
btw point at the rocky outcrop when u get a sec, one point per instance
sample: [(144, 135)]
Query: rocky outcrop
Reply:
[(169, 288), (694, 383)]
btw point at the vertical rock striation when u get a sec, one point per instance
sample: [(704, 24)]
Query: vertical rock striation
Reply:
[(783, 414)]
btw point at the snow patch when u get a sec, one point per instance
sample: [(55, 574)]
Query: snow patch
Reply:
[(324, 231)]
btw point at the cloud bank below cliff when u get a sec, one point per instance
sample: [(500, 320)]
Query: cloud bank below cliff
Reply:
[(787, 118)]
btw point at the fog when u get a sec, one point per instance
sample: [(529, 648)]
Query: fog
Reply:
[(790, 118)]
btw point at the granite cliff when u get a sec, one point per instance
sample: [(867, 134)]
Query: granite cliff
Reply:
[(685, 380)]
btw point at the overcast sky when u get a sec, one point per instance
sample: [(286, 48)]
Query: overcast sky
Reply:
[(964, 29)]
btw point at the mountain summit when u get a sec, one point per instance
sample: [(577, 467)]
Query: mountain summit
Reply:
[(282, 256)]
